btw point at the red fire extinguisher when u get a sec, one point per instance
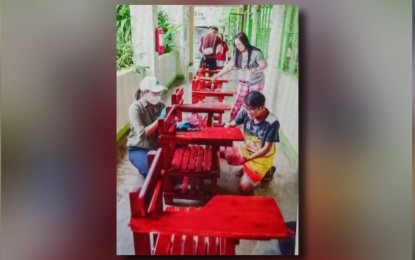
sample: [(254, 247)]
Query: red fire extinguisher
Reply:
[(159, 41)]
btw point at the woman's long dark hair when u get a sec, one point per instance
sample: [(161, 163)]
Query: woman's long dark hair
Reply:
[(245, 41), (138, 94)]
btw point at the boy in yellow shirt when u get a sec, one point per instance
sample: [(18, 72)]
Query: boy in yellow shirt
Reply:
[(261, 133)]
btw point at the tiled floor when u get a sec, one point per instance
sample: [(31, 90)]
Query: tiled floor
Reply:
[(284, 188)]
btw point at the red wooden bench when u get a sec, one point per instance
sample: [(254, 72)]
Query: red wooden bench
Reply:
[(213, 229), (203, 83), (203, 71), (202, 88), (177, 97), (192, 157)]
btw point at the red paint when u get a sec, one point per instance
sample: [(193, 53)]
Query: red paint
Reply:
[(193, 156), (218, 136), (223, 220), (231, 216), (177, 97)]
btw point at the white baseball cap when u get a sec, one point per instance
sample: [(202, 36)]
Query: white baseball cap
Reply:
[(151, 83)]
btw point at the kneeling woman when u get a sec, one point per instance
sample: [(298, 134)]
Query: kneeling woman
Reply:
[(144, 113)]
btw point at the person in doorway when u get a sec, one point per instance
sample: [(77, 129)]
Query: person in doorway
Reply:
[(221, 51), (256, 155), (144, 113), (207, 46), (249, 59)]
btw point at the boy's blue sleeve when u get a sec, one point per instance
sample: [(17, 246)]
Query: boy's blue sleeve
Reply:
[(272, 135)]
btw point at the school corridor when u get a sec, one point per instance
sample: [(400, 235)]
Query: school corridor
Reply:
[(273, 29)]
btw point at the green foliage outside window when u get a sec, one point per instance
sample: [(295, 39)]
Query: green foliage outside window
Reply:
[(288, 54), (264, 16), (169, 29), (124, 42), (234, 25), (125, 47)]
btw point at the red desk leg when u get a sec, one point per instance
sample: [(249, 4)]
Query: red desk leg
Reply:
[(142, 244)]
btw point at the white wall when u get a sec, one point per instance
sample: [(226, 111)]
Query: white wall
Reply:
[(164, 67), (166, 70), (143, 26), (127, 84), (281, 90), (129, 81), (179, 15), (282, 99)]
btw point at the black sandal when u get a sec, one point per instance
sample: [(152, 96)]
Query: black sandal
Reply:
[(269, 175), (240, 173)]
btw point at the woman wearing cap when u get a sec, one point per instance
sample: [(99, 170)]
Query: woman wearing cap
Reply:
[(144, 113)]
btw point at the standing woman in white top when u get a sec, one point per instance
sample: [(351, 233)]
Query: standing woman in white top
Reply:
[(246, 57)]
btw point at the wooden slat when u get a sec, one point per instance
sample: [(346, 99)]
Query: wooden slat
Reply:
[(137, 206), (171, 209), (213, 220), (181, 209), (178, 195), (199, 162), (213, 246), (142, 244), (161, 126), (163, 245), (208, 158), (185, 184), (218, 94), (156, 199), (193, 184), (218, 136), (147, 191), (201, 246), (192, 158), (185, 159), (204, 107), (165, 124), (190, 209), (177, 245), (177, 158), (227, 246), (172, 128), (189, 245)]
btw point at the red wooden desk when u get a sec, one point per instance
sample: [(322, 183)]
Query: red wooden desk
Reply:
[(204, 107), (176, 113), (216, 136), (194, 157), (214, 119), (212, 229), (214, 110), (201, 83), (246, 224), (209, 79), (204, 70), (213, 104), (199, 95)]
